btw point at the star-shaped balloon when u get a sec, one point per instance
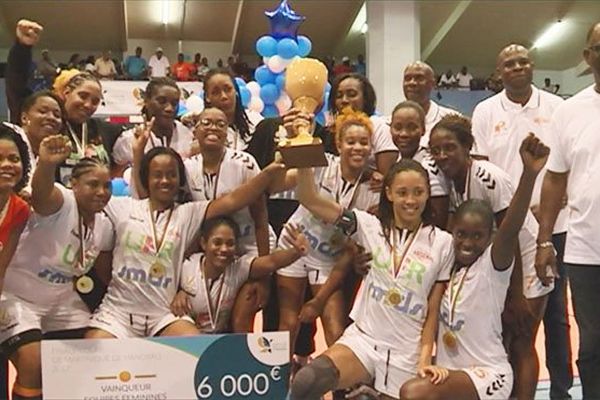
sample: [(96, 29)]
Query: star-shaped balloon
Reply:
[(284, 21)]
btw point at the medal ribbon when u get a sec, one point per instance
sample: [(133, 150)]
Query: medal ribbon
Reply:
[(405, 243), (83, 230), (454, 299), (79, 144), (213, 311), (216, 183), (158, 243)]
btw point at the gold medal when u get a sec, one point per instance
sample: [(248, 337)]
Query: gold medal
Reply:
[(157, 270), (393, 296), (84, 284), (450, 340)]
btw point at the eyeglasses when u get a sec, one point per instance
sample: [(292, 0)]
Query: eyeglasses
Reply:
[(207, 123), (595, 48)]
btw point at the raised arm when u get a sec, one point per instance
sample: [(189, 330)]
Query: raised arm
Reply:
[(141, 135), (266, 265), (46, 199), (259, 214), (321, 207), (534, 155)]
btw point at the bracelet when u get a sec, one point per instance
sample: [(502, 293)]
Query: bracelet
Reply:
[(545, 245)]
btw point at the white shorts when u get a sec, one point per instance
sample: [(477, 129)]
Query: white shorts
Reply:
[(18, 315), (300, 269), (532, 286), (383, 364), (125, 325), (491, 383)]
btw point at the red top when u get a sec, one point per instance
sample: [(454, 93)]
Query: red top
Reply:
[(183, 71), (16, 215)]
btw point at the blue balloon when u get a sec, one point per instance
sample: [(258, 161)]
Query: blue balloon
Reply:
[(240, 82), (284, 21), (263, 75), (320, 118), (266, 46), (269, 93), (181, 109), (280, 81), (287, 48), (327, 87), (270, 111), (120, 187), (304, 46), (245, 95)]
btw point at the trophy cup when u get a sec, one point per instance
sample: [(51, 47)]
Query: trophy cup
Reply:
[(305, 81)]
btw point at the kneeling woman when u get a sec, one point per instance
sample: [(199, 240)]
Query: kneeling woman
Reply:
[(395, 314), (61, 241), (151, 237), (471, 360), (211, 280)]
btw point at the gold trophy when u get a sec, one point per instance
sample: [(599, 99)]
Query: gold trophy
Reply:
[(305, 81)]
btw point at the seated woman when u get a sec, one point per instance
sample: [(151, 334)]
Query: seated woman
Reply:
[(211, 279), (471, 360)]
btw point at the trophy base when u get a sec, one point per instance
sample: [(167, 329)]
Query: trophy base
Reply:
[(304, 155)]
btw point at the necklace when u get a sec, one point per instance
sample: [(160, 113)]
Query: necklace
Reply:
[(449, 338), (157, 269), (213, 310)]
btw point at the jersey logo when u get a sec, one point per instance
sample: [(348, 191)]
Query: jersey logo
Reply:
[(432, 167), (486, 178), (496, 385), (245, 159), (140, 275)]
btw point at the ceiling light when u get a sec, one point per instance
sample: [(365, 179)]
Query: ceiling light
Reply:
[(164, 8), (364, 28), (552, 34)]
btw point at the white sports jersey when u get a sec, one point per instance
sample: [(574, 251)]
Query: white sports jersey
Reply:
[(48, 255), (575, 148), (437, 180), (223, 292), (381, 141), (144, 282), (488, 182), (234, 140), (499, 127), (435, 113), (393, 310), (476, 316), (236, 168), (181, 142), (326, 240)]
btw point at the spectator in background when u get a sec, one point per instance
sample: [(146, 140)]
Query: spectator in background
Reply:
[(494, 83), (197, 62), (74, 61), (419, 80), (47, 68), (447, 80), (105, 67), (360, 67), (343, 68), (203, 69), (158, 65), (549, 87), (89, 64), (183, 71), (464, 78), (135, 66), (219, 63)]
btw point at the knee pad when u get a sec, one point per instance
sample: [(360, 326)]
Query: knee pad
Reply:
[(314, 380)]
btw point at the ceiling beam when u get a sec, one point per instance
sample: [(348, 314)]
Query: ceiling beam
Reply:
[(125, 27), (236, 26), (445, 28)]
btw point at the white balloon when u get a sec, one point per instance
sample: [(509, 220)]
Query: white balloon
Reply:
[(254, 88), (256, 104), (194, 104), (266, 60), (276, 64), (283, 103)]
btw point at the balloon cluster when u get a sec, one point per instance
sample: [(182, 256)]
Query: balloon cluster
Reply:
[(266, 94)]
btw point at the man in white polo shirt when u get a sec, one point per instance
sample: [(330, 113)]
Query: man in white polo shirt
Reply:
[(419, 81), (573, 168), (158, 64), (500, 123)]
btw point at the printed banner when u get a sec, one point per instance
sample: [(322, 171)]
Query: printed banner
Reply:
[(232, 367), (125, 97)]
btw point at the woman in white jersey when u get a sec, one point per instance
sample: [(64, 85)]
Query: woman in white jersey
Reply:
[(471, 360), (60, 243), (346, 181), (355, 91), (214, 276), (450, 144), (161, 100), (395, 314), (218, 170), (407, 127), (151, 237)]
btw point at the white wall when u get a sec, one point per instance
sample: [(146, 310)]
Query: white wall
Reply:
[(211, 50)]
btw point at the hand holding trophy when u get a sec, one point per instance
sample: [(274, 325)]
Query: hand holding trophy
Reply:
[(305, 82)]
